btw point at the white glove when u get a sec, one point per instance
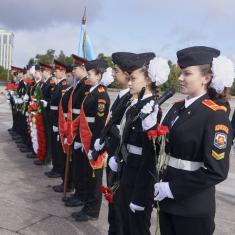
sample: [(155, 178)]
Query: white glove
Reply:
[(44, 103), (65, 140), (58, 137), (161, 191), (55, 128), (113, 164), (89, 155), (152, 111), (26, 97), (135, 207), (77, 145), (19, 101), (97, 145)]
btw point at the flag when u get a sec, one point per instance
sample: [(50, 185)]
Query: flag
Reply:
[(85, 49)]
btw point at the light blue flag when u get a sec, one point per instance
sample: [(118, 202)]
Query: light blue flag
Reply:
[(85, 49)]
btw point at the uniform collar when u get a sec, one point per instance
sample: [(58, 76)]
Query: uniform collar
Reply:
[(93, 88), (62, 79), (188, 102), (123, 92), (143, 98)]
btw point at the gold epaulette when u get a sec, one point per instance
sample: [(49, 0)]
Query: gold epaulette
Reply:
[(101, 89), (212, 105)]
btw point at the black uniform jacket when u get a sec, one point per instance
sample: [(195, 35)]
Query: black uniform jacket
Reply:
[(47, 89), (116, 113), (55, 100), (96, 108), (201, 134), (81, 90), (139, 169)]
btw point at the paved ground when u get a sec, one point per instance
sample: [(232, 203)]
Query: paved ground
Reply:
[(29, 206)]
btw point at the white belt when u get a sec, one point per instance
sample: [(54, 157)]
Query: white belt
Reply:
[(55, 128), (184, 164), (76, 111), (65, 115), (54, 107), (90, 119), (134, 149)]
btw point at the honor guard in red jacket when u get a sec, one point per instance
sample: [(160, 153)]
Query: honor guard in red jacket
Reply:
[(58, 91), (81, 89), (93, 114)]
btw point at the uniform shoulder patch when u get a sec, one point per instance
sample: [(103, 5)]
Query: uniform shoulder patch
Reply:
[(217, 156), (212, 105), (86, 93), (101, 107), (221, 127), (220, 140), (101, 89)]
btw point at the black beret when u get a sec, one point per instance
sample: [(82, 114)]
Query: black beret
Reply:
[(119, 58), (197, 55), (137, 61), (96, 64)]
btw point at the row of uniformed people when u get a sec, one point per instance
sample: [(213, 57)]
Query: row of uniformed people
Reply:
[(197, 151)]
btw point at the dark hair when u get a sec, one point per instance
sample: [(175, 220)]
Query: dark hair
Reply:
[(99, 70), (205, 70)]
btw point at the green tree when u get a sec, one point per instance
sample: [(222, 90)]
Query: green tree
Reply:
[(46, 58), (173, 77), (4, 74)]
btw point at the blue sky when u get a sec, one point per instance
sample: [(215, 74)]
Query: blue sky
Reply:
[(124, 25)]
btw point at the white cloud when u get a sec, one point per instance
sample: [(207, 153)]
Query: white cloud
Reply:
[(29, 43)]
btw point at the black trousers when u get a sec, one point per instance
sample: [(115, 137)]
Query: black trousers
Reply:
[(92, 181), (114, 212), (137, 223), (56, 153), (179, 225), (48, 132), (79, 164)]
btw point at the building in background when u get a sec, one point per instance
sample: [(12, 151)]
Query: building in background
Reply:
[(6, 48)]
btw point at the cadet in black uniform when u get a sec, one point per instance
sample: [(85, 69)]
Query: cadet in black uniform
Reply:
[(137, 151), (62, 139), (198, 145), (47, 89), (59, 89), (111, 136), (81, 89), (93, 116)]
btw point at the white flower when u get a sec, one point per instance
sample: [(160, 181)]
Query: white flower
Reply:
[(223, 73), (107, 77), (158, 70)]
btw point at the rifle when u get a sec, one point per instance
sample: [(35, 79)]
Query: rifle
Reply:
[(109, 128)]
